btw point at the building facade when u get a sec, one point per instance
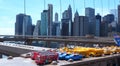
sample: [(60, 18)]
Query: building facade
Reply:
[(56, 17), (65, 27), (115, 13), (37, 29), (76, 25), (50, 19), (83, 25), (67, 20), (97, 25), (27, 25), (56, 29), (23, 25), (80, 25), (19, 24), (118, 24), (44, 23), (90, 13), (104, 29), (109, 18)]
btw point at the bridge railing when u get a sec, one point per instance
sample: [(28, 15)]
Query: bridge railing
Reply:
[(23, 46)]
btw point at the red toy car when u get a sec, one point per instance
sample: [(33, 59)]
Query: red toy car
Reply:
[(44, 57), (34, 55)]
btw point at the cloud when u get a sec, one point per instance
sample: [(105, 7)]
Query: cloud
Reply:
[(7, 31)]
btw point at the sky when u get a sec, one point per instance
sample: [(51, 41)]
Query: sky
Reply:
[(10, 8)]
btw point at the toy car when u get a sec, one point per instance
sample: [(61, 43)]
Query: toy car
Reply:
[(62, 56), (73, 57), (44, 57)]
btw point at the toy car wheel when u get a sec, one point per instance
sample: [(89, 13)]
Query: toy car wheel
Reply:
[(103, 54), (70, 60), (32, 58), (91, 55)]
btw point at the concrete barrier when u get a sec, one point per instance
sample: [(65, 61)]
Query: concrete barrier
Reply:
[(17, 49)]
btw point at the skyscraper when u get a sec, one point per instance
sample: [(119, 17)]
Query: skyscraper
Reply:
[(70, 22), (56, 29), (83, 25), (37, 29), (65, 27), (56, 17), (65, 15), (115, 13), (104, 29), (67, 19), (97, 25), (33, 28), (27, 25), (118, 24), (19, 24), (70, 13), (23, 25), (76, 25), (90, 13), (56, 26), (109, 18), (80, 26), (50, 19), (118, 14), (44, 23)]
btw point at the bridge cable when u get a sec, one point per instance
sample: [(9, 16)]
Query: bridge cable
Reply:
[(60, 9), (102, 7), (69, 1), (84, 3), (94, 4), (60, 14), (24, 17), (44, 4), (115, 8), (119, 1), (74, 5), (24, 6), (108, 5)]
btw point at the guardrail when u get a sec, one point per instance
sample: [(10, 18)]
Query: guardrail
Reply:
[(23, 46)]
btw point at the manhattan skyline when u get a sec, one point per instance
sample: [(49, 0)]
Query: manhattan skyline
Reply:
[(10, 8)]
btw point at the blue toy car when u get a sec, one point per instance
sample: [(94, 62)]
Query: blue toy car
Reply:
[(65, 56), (73, 57), (62, 56)]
